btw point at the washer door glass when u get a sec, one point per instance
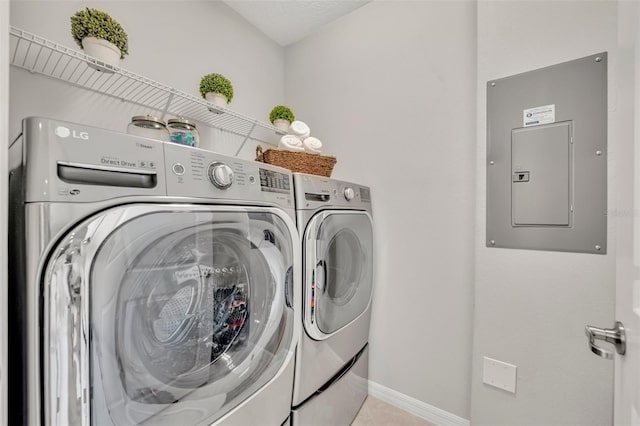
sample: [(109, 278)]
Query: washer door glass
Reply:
[(343, 269), (188, 313)]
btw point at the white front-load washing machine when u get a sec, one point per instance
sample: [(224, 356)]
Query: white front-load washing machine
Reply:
[(150, 283), (335, 224)]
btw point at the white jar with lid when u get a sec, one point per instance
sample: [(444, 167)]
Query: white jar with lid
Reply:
[(183, 132), (148, 126)]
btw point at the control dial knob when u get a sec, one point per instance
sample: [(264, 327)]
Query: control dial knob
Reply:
[(220, 175), (349, 193)]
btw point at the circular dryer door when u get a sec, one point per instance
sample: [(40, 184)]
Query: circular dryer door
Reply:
[(189, 313), (339, 278)]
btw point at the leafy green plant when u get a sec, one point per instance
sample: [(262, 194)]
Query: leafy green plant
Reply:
[(281, 112), (216, 83), (95, 23)]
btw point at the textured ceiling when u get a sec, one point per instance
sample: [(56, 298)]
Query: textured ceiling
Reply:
[(287, 21)]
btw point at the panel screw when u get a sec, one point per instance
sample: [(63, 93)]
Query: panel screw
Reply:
[(493, 84), (493, 242), (598, 248), (598, 59), (599, 153), (492, 162)]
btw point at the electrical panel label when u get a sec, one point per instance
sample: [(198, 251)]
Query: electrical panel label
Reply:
[(539, 115)]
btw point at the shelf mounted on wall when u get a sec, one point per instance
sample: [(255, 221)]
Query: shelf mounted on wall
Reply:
[(41, 56)]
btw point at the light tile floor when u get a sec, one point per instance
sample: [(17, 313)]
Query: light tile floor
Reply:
[(377, 413)]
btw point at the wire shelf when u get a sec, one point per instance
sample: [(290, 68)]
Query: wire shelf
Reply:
[(39, 55)]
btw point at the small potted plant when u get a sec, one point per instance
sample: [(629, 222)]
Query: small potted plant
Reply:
[(100, 35), (217, 89), (281, 117)]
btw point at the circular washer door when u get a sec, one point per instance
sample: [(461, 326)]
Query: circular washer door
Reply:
[(188, 312)]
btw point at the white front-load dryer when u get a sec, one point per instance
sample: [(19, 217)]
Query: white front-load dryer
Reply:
[(150, 283), (335, 223)]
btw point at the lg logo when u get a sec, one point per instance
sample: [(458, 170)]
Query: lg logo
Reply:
[(64, 132)]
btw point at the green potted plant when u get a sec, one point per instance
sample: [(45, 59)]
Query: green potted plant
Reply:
[(99, 35), (217, 89), (281, 116)]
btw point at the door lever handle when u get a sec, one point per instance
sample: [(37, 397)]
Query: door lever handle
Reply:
[(615, 336)]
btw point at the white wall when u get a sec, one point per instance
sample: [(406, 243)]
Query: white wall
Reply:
[(390, 89), (4, 144), (531, 307), (173, 42)]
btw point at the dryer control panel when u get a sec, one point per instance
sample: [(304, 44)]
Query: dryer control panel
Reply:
[(314, 192)]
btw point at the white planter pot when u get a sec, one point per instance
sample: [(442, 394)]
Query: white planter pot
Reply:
[(217, 99), (102, 50), (281, 124)]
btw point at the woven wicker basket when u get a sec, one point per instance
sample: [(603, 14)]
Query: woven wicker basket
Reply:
[(297, 162)]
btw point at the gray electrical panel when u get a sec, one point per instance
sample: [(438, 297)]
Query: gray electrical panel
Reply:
[(547, 158)]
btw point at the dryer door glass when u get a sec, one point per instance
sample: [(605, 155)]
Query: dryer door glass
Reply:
[(188, 310), (343, 269)]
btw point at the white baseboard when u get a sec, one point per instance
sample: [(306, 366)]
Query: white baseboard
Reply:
[(416, 407)]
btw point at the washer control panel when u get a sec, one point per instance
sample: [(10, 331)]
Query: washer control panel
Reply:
[(198, 173)]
